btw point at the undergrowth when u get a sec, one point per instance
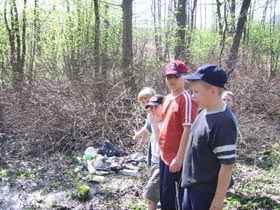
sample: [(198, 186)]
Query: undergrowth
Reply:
[(63, 119)]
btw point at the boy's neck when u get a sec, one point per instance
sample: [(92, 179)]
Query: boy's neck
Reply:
[(215, 105), (177, 92)]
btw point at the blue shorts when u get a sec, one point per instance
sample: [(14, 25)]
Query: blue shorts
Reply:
[(171, 193), (196, 200)]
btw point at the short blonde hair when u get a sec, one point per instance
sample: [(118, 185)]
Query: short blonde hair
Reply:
[(146, 93), (229, 93), (207, 85)]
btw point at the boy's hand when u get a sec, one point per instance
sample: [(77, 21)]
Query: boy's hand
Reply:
[(175, 165), (216, 204), (136, 135)]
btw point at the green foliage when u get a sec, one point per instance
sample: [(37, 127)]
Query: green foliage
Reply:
[(136, 205), (264, 43), (268, 159), (83, 192), (4, 173), (240, 201), (204, 43)]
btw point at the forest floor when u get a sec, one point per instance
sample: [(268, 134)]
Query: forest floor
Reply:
[(51, 182)]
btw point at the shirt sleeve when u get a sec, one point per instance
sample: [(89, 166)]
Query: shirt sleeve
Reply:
[(224, 144)]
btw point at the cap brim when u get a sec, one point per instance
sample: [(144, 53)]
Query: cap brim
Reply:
[(174, 73), (192, 77), (151, 104)]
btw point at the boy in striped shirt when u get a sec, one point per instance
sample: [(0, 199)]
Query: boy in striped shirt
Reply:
[(178, 113), (210, 154)]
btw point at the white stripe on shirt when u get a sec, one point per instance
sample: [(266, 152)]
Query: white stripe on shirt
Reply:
[(225, 148)]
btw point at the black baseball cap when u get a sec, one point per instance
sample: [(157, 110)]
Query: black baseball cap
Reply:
[(209, 73), (155, 100)]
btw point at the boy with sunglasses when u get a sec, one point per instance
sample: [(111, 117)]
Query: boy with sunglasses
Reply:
[(178, 113)]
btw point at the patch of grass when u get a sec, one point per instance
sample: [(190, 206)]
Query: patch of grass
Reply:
[(30, 175), (82, 192), (4, 173), (268, 159), (256, 186), (243, 202), (137, 205)]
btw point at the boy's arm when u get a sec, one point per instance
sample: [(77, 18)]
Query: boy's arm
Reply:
[(177, 162), (154, 123), (222, 187), (142, 132)]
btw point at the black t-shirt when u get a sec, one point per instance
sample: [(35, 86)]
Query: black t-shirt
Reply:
[(212, 142)]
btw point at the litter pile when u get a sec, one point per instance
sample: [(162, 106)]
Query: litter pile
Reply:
[(107, 160)]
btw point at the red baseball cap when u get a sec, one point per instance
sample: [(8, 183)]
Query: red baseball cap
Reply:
[(176, 67)]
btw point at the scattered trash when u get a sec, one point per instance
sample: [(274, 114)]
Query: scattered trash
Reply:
[(80, 164), (129, 172), (94, 178), (90, 167), (107, 160), (108, 149), (138, 157), (101, 163), (90, 153)]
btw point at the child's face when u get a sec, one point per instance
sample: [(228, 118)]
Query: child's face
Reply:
[(174, 83), (143, 102), (201, 94), (228, 99), (157, 111)]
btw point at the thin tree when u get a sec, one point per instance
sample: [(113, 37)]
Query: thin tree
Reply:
[(17, 42), (232, 15), (127, 57), (156, 11), (34, 42), (219, 17), (233, 52), (96, 39), (180, 48)]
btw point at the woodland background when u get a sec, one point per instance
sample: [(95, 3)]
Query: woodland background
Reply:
[(71, 71)]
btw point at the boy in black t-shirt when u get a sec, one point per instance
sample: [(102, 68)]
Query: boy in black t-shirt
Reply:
[(210, 154)]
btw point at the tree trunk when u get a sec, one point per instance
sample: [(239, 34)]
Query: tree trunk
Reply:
[(36, 39), (104, 53), (17, 43), (180, 48), (219, 17), (157, 26), (96, 40), (127, 60), (233, 53), (232, 15), (191, 28)]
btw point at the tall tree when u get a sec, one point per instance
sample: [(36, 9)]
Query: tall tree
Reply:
[(157, 26), (127, 57), (96, 40), (34, 42), (191, 23), (17, 41), (219, 17), (232, 15), (233, 52), (180, 48)]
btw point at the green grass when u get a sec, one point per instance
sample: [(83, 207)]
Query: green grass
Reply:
[(257, 186)]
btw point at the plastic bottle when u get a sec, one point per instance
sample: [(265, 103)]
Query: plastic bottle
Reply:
[(80, 164), (130, 172), (95, 178), (90, 167)]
